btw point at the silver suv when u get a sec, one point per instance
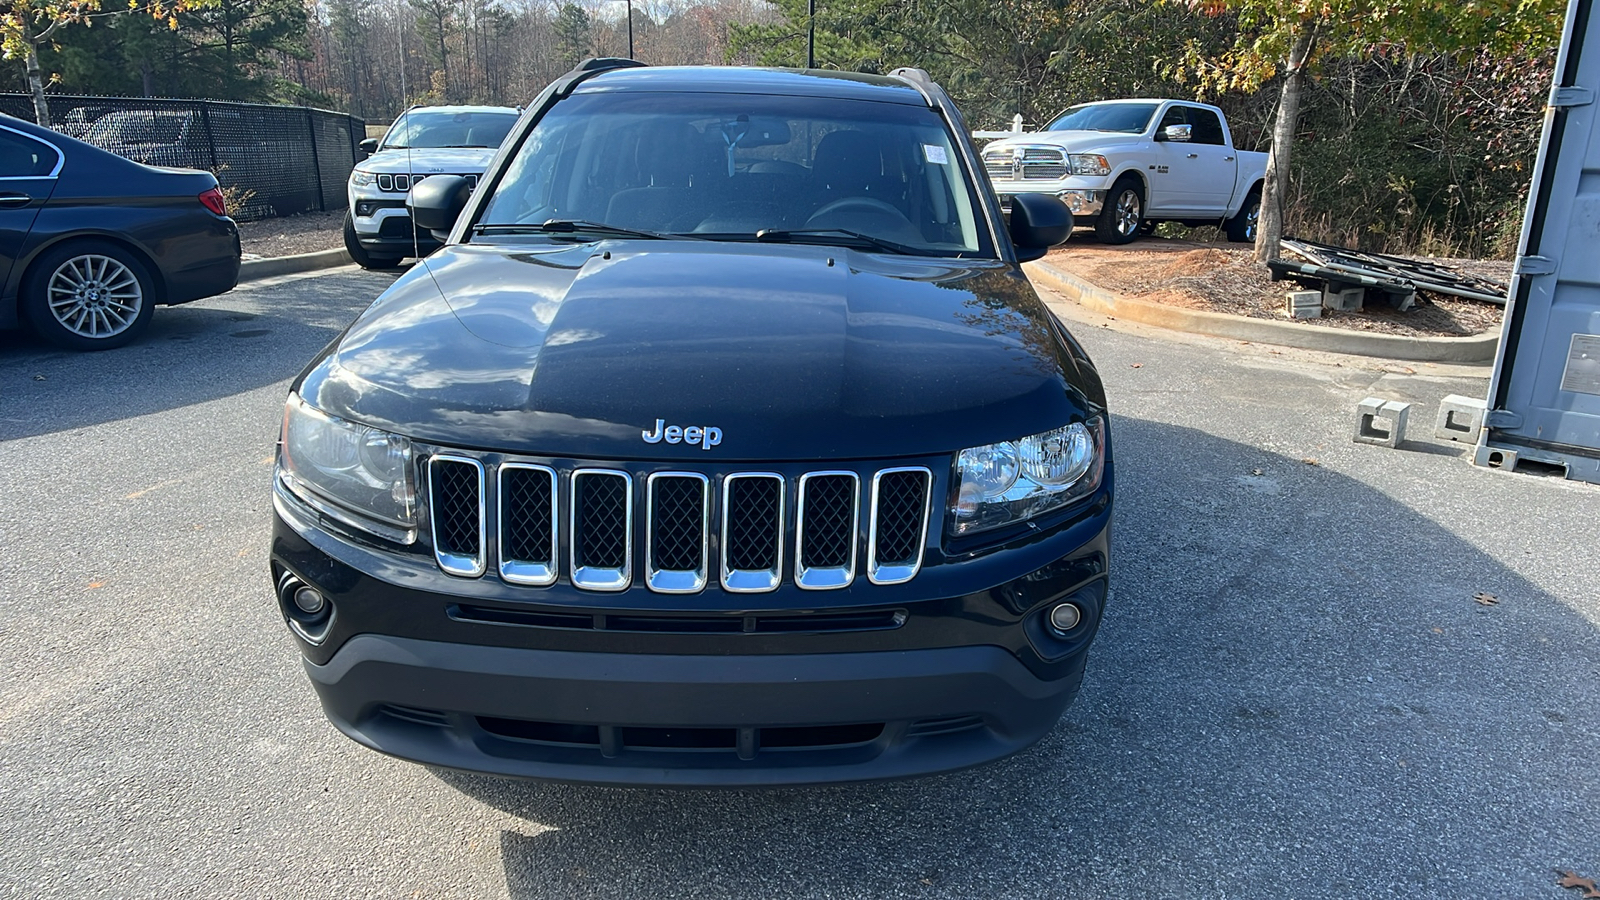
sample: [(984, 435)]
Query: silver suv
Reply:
[(423, 141)]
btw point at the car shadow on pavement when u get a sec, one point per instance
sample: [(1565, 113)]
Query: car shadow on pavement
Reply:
[(1294, 686), (194, 353)]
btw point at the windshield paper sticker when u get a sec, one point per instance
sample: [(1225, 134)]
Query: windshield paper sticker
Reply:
[(935, 154)]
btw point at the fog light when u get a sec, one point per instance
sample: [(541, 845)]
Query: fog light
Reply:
[(311, 602), (1065, 617)]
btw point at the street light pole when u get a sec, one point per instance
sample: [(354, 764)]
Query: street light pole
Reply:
[(811, 34), (630, 29)]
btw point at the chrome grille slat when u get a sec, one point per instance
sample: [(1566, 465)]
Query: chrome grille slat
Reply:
[(752, 532), (826, 514), (527, 524), (456, 502), (677, 525), (902, 501), (601, 529)]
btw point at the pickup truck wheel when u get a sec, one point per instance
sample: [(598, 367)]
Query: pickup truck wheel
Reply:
[(1242, 227), (88, 295), (365, 260), (1120, 220)]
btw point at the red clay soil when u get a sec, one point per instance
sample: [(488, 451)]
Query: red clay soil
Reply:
[(1224, 278)]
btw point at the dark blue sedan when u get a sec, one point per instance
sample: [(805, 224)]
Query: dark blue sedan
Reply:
[(91, 243)]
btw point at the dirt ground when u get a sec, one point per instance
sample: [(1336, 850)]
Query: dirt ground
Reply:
[(1223, 278), (305, 233)]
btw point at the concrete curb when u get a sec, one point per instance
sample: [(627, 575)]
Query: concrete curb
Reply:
[(1476, 349), (254, 269)]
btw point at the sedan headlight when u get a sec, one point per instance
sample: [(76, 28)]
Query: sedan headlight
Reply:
[(1012, 481), (1088, 164), (361, 179), (358, 475)]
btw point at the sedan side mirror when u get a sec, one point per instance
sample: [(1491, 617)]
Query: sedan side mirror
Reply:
[(1180, 134), (368, 146), (436, 202), (1038, 222)]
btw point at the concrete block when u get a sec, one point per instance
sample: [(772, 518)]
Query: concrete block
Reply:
[(1460, 419), (1381, 422), (1303, 305), (1343, 298)]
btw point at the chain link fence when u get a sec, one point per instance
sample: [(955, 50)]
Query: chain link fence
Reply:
[(270, 160)]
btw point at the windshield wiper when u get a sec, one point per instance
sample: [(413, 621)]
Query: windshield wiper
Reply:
[(574, 226), (839, 236)]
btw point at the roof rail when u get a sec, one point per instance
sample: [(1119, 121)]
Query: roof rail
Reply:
[(589, 68), (919, 79)]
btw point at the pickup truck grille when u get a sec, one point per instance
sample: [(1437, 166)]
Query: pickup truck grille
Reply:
[(1026, 164), (735, 528)]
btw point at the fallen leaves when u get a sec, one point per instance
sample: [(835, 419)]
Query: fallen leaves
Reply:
[(1137, 365), (1484, 598), (1571, 880), (1311, 461), (96, 584), (1257, 472)]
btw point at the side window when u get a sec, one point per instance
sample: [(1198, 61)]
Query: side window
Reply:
[(1207, 127), (22, 157), (1173, 116)]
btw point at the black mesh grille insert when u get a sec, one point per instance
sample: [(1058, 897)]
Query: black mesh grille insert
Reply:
[(455, 507), (902, 501), (601, 505), (753, 527), (826, 534), (526, 515), (677, 521)]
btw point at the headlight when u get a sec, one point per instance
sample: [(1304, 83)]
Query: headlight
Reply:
[(358, 475), (361, 179), (1009, 482), (1089, 164)]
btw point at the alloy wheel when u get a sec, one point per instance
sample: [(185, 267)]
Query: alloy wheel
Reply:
[(1128, 212), (95, 296)]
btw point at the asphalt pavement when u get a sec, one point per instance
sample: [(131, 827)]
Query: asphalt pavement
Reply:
[(1295, 692)]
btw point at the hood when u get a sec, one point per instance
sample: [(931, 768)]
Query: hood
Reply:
[(1071, 141), (422, 161), (791, 352)]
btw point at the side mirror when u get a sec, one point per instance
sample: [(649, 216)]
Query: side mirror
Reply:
[(368, 146), (1038, 222), (436, 202), (1180, 134)]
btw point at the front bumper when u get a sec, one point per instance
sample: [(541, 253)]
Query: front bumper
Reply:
[(656, 719), (637, 688), (1082, 201)]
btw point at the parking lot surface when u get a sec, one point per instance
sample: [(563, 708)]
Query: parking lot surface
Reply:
[(1295, 694)]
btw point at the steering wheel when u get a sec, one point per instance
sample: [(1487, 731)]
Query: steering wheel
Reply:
[(858, 204)]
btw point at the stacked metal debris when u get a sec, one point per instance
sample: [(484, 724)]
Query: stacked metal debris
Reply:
[(1340, 268)]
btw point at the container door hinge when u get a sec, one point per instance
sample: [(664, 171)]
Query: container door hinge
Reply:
[(1502, 418), (1534, 265), (1570, 96)]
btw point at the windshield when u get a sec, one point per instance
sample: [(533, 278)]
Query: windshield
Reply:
[(424, 129), (1128, 118), (731, 166)]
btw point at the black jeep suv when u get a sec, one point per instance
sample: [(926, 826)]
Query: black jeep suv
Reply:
[(723, 443)]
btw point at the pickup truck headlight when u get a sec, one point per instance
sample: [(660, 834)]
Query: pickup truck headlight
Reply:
[(1088, 164), (1012, 481), (358, 475), (361, 179)]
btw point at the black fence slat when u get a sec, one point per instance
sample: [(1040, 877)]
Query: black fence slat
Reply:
[(270, 160)]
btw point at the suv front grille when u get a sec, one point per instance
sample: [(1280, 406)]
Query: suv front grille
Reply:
[(403, 183), (689, 521)]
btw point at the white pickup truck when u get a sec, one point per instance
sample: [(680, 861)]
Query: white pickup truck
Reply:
[(1125, 165)]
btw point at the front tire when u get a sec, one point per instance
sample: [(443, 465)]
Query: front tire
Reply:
[(359, 254), (88, 295), (1242, 228), (1123, 215)]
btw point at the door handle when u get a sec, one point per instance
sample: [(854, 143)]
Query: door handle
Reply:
[(14, 200), (1194, 156), (1227, 159)]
